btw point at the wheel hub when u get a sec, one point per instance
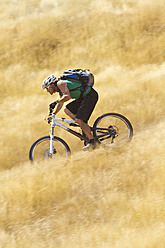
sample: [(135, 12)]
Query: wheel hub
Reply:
[(113, 130), (47, 153)]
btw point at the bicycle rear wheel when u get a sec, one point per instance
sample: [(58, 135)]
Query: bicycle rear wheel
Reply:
[(112, 130), (40, 149)]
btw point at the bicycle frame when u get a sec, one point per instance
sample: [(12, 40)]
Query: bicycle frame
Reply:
[(105, 133)]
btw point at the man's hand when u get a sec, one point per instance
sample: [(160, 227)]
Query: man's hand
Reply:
[(52, 106)]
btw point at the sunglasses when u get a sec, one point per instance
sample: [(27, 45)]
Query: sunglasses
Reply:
[(50, 86)]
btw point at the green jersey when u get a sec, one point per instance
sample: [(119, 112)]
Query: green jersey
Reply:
[(75, 94)]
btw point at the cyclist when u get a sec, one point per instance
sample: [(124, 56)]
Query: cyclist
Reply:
[(80, 109)]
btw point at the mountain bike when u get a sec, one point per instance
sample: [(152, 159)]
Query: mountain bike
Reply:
[(110, 130)]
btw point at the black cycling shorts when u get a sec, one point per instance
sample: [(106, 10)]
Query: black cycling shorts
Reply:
[(83, 107)]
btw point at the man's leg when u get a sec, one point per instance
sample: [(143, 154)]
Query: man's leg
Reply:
[(83, 109), (84, 126), (86, 129)]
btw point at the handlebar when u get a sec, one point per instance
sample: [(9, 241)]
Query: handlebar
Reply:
[(49, 118)]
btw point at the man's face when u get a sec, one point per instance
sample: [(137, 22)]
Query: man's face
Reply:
[(51, 89)]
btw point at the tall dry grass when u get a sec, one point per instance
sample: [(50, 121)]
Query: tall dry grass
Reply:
[(101, 199)]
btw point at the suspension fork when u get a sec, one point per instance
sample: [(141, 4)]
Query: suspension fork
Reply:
[(51, 134), (51, 141)]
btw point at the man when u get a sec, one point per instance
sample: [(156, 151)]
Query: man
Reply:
[(80, 109)]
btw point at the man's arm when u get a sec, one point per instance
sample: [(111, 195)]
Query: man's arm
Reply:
[(65, 92), (65, 96)]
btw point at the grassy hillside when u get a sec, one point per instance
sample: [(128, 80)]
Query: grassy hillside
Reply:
[(107, 198)]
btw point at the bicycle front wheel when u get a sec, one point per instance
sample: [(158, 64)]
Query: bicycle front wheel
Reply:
[(40, 149), (112, 130)]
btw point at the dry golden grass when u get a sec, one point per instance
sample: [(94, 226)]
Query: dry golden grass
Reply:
[(107, 198)]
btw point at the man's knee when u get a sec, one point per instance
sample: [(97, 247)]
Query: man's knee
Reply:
[(79, 121)]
